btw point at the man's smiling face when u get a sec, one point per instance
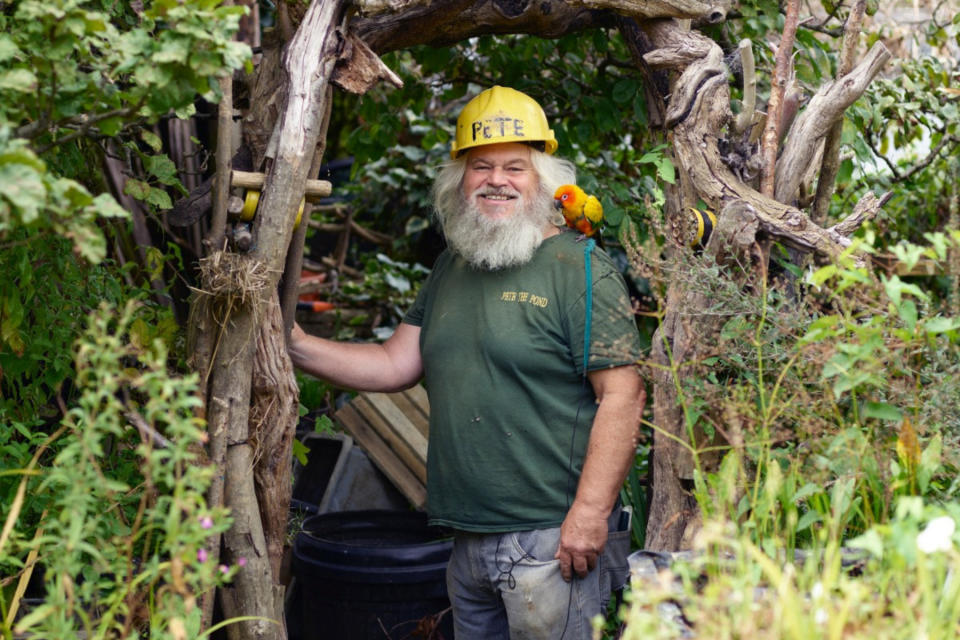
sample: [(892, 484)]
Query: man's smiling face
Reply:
[(499, 177)]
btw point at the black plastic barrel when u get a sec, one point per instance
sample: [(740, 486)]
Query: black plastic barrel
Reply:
[(371, 575)]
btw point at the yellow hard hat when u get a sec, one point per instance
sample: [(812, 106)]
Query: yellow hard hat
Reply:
[(501, 114)]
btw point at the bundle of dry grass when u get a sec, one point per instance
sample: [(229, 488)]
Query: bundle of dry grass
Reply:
[(233, 277)]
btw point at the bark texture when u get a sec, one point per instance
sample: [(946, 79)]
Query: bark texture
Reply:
[(308, 63), (273, 419)]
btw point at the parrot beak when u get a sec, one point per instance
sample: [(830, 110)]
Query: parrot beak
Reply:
[(557, 204)]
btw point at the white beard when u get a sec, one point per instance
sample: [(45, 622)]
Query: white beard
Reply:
[(491, 244)]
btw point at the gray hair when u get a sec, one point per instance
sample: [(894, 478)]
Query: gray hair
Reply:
[(552, 173)]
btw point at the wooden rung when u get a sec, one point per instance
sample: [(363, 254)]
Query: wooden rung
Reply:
[(254, 180)]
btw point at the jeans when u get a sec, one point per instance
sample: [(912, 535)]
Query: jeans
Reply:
[(508, 585)]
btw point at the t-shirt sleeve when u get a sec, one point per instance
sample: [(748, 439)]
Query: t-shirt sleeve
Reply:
[(614, 339), (415, 313)]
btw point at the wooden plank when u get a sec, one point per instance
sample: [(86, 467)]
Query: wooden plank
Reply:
[(399, 421), (419, 396), (391, 425), (412, 411), (382, 455)]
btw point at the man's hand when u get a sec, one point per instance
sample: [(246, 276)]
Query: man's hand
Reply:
[(582, 538)]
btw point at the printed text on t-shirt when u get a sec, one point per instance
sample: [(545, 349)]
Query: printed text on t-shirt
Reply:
[(524, 297)]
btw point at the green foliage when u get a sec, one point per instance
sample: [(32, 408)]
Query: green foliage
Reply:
[(37, 199), (75, 74), (117, 521), (901, 122), (841, 431), (72, 71), (899, 587), (387, 290), (121, 543)]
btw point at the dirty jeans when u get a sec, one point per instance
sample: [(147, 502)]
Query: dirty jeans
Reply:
[(509, 586)]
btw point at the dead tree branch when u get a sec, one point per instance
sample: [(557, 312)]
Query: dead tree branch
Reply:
[(866, 209), (781, 76), (698, 126), (745, 118), (830, 165), (825, 108)]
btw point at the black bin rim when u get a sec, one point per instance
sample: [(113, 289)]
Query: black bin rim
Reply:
[(371, 540)]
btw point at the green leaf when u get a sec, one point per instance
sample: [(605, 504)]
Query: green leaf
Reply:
[(666, 170), (173, 50), (869, 541), (808, 519), (613, 214), (106, 207), (23, 188), (110, 126), (805, 491), (324, 424), (940, 324), (20, 80), (136, 188), (416, 224), (23, 155), (908, 313), (162, 168), (8, 48), (821, 275), (300, 451), (159, 198), (397, 282), (624, 90), (88, 242), (882, 411), (152, 139)]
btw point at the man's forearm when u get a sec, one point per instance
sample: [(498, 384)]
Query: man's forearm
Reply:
[(391, 366), (611, 450)]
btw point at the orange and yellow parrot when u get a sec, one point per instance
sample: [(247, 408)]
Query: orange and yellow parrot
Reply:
[(581, 212)]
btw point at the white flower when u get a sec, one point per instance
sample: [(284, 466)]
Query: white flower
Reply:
[(817, 591), (820, 616), (937, 536)]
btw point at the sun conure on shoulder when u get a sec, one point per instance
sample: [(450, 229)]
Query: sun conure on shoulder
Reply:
[(581, 212)]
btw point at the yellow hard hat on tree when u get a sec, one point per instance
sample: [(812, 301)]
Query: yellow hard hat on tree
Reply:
[(501, 114)]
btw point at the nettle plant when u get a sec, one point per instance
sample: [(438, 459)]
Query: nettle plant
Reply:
[(121, 546)]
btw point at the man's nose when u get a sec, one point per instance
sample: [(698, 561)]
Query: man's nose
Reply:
[(497, 177)]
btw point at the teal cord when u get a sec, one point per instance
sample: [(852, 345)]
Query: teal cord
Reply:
[(589, 302)]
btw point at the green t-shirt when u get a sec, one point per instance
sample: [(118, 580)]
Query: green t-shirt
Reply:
[(510, 411)]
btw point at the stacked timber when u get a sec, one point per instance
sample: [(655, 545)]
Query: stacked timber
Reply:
[(393, 428)]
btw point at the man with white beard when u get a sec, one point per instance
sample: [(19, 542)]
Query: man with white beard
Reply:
[(535, 402)]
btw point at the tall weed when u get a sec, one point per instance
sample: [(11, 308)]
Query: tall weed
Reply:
[(120, 547)]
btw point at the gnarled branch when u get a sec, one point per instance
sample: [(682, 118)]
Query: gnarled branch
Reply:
[(830, 165), (826, 106)]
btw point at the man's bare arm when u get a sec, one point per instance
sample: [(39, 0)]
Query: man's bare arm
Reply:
[(391, 366), (610, 452)]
